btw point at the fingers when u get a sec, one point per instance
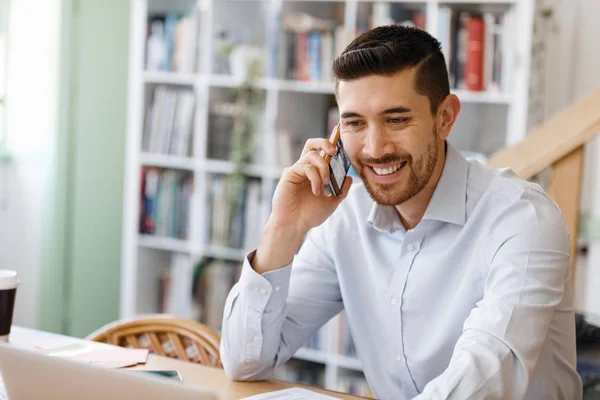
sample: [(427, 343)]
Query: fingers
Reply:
[(318, 144), (345, 187), (312, 173), (312, 167), (315, 159)]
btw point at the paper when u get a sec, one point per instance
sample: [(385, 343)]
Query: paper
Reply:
[(291, 394), (103, 357), (3, 394)]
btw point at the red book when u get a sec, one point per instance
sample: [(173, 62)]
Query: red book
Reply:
[(419, 20), (302, 56), (474, 63)]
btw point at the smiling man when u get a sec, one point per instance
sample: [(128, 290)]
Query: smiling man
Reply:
[(454, 278)]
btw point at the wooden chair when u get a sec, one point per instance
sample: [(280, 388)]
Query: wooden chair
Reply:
[(164, 335)]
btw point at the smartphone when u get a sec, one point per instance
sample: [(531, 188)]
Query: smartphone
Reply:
[(339, 165), (167, 374)]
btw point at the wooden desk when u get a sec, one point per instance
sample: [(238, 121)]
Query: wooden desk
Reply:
[(192, 374)]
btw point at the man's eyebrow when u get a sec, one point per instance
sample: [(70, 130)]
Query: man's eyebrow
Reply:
[(350, 114), (396, 110)]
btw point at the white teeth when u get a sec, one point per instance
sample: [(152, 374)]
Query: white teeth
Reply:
[(387, 171)]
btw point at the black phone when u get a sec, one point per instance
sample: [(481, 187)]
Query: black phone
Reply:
[(166, 374), (339, 165)]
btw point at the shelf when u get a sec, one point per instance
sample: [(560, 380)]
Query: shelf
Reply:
[(325, 1), (227, 167), (164, 243), (303, 86), (230, 81), (167, 161), (424, 2), (224, 253), (170, 78), (467, 96), (443, 2), (313, 355), (348, 362), (322, 357)]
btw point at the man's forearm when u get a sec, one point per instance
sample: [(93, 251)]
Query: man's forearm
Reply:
[(251, 336), (277, 247)]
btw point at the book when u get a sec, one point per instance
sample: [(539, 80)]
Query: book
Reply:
[(445, 32), (474, 58), (212, 282), (476, 48), (172, 42), (307, 46), (169, 121), (489, 30), (235, 224), (165, 202)]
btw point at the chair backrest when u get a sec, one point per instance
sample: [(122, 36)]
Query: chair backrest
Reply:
[(164, 335)]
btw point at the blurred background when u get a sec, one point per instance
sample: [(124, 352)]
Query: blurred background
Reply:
[(141, 141)]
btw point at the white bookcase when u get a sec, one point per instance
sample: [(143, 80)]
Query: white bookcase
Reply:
[(488, 121)]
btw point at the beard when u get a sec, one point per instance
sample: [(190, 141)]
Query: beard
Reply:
[(419, 173)]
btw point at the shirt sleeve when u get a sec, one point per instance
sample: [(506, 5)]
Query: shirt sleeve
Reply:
[(268, 317), (529, 273)]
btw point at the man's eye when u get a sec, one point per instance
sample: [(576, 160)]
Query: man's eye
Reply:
[(353, 123), (396, 120)]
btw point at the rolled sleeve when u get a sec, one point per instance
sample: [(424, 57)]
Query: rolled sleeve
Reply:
[(266, 291), (270, 315)]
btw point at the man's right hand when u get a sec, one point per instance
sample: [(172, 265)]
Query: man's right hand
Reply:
[(299, 204)]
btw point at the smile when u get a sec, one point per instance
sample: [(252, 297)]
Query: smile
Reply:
[(390, 170)]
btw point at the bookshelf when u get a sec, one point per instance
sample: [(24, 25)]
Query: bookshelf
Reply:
[(296, 103)]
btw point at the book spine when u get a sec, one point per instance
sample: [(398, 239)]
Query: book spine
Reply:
[(302, 56), (488, 50), (461, 50), (419, 20), (315, 41), (474, 62)]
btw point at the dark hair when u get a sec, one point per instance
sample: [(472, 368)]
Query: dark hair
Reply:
[(389, 49)]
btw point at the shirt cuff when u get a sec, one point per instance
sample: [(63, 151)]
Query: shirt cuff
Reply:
[(267, 290)]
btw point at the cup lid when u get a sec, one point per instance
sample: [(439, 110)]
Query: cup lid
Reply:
[(8, 279)]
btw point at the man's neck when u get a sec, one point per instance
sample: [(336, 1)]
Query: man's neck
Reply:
[(412, 211)]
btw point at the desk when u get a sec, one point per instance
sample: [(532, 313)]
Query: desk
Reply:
[(192, 374)]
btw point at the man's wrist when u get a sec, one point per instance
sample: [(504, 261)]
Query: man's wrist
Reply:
[(277, 247)]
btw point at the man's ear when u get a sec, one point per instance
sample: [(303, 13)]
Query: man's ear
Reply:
[(447, 113)]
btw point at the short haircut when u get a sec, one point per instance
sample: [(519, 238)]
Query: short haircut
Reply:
[(387, 50)]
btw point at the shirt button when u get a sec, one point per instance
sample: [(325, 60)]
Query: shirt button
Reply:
[(263, 291), (398, 357), (410, 247), (393, 301), (277, 288)]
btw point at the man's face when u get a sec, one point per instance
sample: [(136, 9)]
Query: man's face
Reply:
[(389, 134)]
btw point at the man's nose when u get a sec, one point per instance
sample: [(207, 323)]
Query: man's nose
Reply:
[(377, 143)]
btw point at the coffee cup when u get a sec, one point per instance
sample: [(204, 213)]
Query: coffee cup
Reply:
[(8, 291)]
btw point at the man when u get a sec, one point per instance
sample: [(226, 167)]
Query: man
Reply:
[(454, 278)]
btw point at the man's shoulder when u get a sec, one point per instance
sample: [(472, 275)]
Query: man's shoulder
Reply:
[(511, 203), (503, 187)]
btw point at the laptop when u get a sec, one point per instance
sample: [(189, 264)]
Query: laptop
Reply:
[(31, 375)]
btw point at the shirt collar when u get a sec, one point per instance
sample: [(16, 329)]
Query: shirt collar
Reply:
[(448, 203)]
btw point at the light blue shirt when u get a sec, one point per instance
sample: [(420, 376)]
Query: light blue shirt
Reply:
[(475, 302)]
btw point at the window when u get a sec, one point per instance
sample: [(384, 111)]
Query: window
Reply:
[(4, 11)]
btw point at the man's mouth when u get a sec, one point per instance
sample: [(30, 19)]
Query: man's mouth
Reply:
[(388, 170)]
